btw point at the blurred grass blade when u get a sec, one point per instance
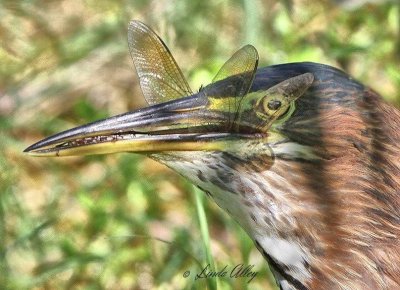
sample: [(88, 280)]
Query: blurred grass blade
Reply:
[(205, 234)]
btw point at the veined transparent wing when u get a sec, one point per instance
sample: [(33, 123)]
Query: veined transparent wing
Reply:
[(160, 78), (237, 75), (245, 60)]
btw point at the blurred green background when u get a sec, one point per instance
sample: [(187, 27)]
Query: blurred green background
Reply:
[(123, 221)]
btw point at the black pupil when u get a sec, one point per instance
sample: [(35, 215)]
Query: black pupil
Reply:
[(274, 105)]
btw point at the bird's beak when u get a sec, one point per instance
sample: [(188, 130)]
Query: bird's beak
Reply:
[(185, 124)]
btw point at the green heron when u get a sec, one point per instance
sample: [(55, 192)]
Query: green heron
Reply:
[(302, 156)]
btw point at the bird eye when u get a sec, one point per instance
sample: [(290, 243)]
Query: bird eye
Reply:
[(274, 105)]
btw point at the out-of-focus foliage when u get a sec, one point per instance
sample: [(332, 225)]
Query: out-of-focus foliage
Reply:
[(123, 221)]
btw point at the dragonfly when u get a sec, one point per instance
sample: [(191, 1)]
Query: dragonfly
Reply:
[(162, 80)]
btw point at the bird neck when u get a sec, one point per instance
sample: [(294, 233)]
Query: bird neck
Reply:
[(261, 199), (307, 219)]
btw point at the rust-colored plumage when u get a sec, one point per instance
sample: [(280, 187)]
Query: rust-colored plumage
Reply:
[(347, 206)]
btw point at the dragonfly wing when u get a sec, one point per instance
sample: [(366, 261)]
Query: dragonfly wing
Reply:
[(160, 78), (239, 72), (243, 61)]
